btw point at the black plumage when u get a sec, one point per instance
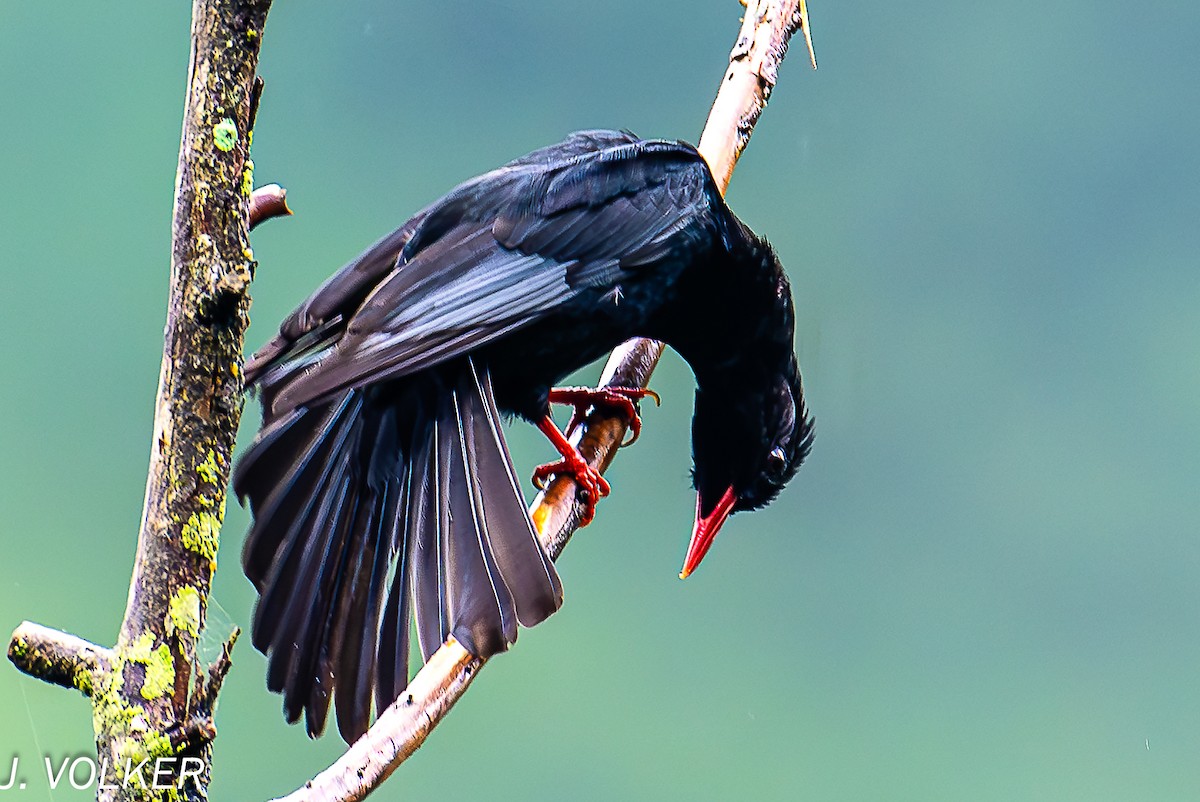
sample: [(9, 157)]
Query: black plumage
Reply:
[(380, 483)]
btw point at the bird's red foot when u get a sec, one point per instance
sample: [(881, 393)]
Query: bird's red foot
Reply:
[(592, 485), (621, 400)]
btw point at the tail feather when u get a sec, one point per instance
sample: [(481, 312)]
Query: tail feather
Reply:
[(358, 658), (511, 539), (478, 601), (310, 668), (346, 635), (339, 496), (292, 526), (425, 544), (292, 608), (282, 473), (394, 638)]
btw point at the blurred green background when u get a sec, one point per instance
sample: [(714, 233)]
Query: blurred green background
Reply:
[(983, 585)]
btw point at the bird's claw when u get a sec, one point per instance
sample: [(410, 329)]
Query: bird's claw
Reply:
[(592, 486), (622, 401)]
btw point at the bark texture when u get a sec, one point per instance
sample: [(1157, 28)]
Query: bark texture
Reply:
[(151, 699)]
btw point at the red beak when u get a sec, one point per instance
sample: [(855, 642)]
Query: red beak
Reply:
[(705, 531)]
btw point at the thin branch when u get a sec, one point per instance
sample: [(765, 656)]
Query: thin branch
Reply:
[(150, 697), (403, 726), (56, 657), (267, 202)]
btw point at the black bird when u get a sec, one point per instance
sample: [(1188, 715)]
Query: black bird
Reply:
[(380, 483)]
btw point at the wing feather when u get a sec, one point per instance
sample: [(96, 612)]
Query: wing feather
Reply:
[(495, 256), (331, 305)]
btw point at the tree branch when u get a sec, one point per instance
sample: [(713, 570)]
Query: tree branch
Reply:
[(401, 729), (267, 202), (150, 697), (57, 658)]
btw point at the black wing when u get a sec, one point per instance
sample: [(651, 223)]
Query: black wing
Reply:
[(323, 315), (472, 272)]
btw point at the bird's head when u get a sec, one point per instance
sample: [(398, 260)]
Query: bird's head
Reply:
[(747, 442)]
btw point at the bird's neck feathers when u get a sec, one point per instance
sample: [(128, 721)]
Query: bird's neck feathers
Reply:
[(750, 381), (753, 322)]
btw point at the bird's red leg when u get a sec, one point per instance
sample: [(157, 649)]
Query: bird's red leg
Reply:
[(621, 400), (590, 481)]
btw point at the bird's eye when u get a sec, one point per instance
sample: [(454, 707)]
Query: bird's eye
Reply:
[(776, 462)]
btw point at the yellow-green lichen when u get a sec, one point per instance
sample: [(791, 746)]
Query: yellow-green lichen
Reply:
[(110, 713), (126, 724), (129, 750), (248, 178), (225, 134), (159, 665), (202, 533), (113, 715), (185, 611), (18, 649), (82, 680), (160, 673), (40, 665), (157, 745), (132, 751), (208, 470), (139, 650)]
